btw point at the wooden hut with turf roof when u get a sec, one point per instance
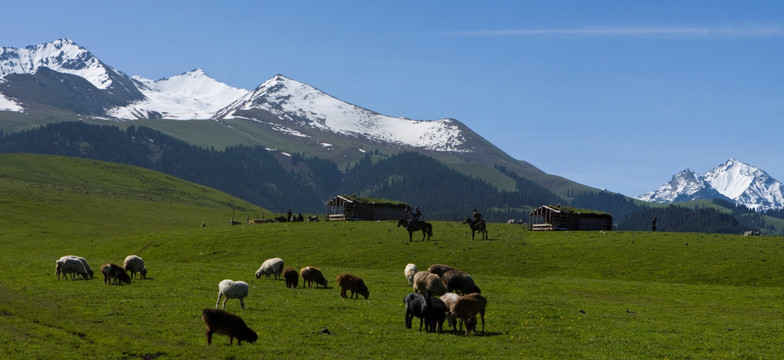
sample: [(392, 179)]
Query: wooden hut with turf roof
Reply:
[(568, 218), (363, 208)]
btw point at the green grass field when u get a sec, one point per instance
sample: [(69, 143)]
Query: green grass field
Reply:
[(614, 295)]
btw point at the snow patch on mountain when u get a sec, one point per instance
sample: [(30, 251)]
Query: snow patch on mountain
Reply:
[(61, 55), (7, 104), (732, 178), (739, 182), (305, 105), (191, 95)]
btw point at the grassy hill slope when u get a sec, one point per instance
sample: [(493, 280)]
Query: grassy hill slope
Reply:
[(550, 295)]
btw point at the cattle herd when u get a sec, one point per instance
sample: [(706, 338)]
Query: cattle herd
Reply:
[(440, 294)]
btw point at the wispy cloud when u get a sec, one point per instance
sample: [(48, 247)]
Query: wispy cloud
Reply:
[(767, 31)]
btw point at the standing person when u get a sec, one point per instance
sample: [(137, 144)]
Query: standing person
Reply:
[(288, 215)]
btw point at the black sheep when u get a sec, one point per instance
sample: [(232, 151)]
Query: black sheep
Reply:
[(415, 306), (217, 321), (459, 282), (436, 313)]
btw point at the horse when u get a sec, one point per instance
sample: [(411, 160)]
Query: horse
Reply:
[(411, 226), (479, 226)]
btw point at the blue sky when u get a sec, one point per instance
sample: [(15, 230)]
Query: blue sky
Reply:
[(612, 94)]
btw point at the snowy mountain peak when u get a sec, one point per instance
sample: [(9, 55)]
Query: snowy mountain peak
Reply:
[(734, 180), (190, 95), (299, 104), (62, 55), (685, 184)]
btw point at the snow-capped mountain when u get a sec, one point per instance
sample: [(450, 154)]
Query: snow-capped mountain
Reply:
[(61, 55), (61, 75), (735, 181), (684, 186), (300, 105), (192, 95)]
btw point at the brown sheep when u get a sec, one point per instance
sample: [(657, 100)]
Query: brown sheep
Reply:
[(311, 275), (114, 274), (466, 307), (427, 281), (291, 276), (353, 283), (218, 321), (439, 269), (459, 282)]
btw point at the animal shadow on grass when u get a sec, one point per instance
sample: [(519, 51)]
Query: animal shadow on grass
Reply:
[(480, 334)]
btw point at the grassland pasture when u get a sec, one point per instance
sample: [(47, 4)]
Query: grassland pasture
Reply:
[(550, 295)]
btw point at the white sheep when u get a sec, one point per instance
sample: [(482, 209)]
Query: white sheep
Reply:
[(232, 290), (409, 272), (134, 264), (74, 265), (427, 281), (270, 267), (86, 266)]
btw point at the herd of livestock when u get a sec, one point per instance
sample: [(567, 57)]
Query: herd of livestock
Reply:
[(440, 294)]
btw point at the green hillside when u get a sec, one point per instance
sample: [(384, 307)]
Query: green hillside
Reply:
[(550, 295), (51, 195)]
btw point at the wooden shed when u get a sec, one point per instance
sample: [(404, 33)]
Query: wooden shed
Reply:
[(562, 218), (359, 208)]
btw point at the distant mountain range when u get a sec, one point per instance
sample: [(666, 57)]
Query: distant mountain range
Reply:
[(733, 181), (195, 96)]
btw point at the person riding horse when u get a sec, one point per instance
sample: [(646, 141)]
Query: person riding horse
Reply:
[(477, 218), (415, 215)]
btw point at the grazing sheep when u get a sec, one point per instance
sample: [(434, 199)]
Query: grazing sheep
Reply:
[(114, 274), (466, 307), (232, 290), (353, 283), (434, 321), (439, 269), (269, 267), (222, 322), (459, 282), (415, 306), (73, 265), (427, 281), (449, 299), (134, 264), (311, 275), (409, 272), (86, 266), (291, 276)]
